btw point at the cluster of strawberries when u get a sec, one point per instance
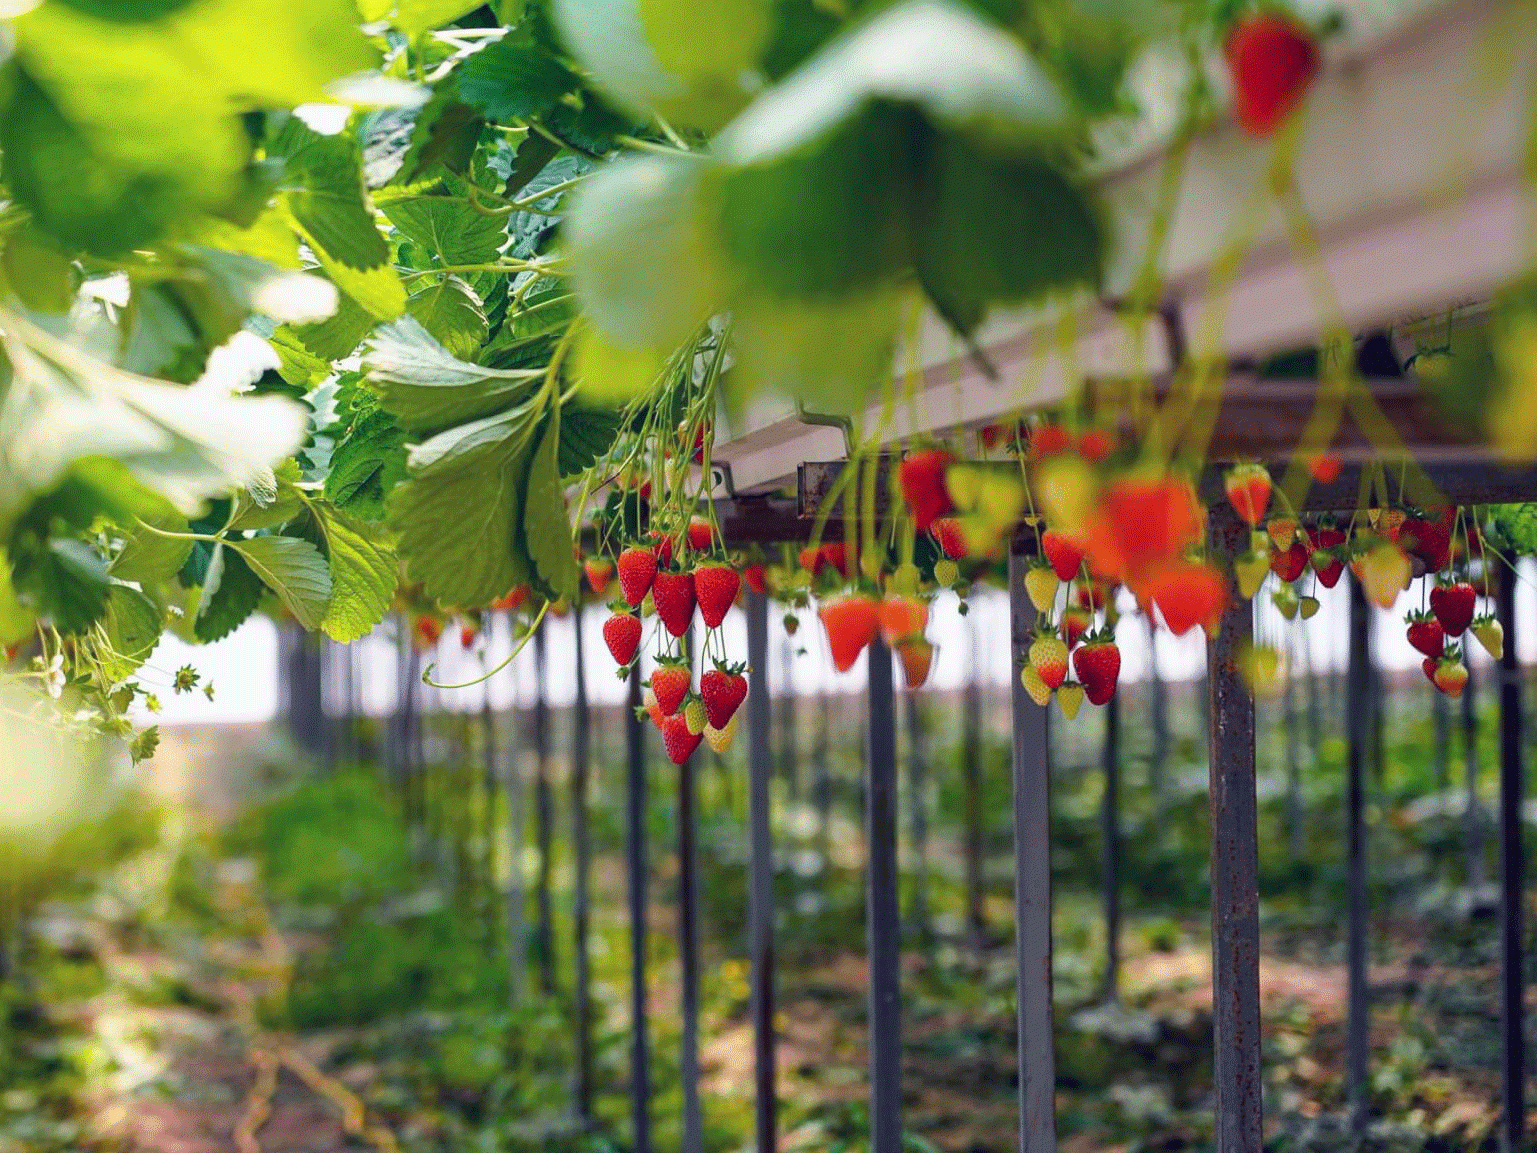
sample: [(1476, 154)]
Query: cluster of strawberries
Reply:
[(659, 569)]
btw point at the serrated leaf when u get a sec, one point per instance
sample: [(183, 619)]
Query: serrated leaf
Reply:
[(363, 573), (585, 435), (452, 313), (368, 462), (513, 79), (236, 595), (444, 133), (292, 568), (528, 227), (282, 508), (150, 558), (64, 580), (131, 628), (546, 527), (338, 336), (143, 746), (425, 387), (450, 229)]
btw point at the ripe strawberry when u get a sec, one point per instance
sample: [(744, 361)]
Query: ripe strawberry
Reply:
[(1041, 586), (599, 570), (723, 690), (1282, 530), (1098, 665), (851, 622), (673, 595), (1064, 554), (917, 656), (1248, 491), (903, 617), (946, 573), (700, 534), (1490, 634), (720, 740), (1425, 633), (811, 560), (695, 716), (1453, 605), (716, 586), (1288, 563), (1048, 657), (1003, 433), (1272, 60), (677, 740), (1070, 698), (1076, 621), (663, 544), (1039, 690), (1389, 521), (1427, 539), (1093, 595), (428, 631), (653, 710), (1451, 674), (922, 480), (835, 556), (1095, 444), (1428, 665), (1188, 593), (515, 599), (1327, 559), (1250, 569), (1324, 469), (637, 571), (467, 635), (670, 682), (1142, 522), (621, 633), (755, 576), (1384, 572), (1049, 440), (951, 536)]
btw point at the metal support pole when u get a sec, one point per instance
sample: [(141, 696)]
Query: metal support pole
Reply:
[(544, 818), (1110, 826), (1512, 874), (760, 909), (635, 852), (883, 916), (517, 927), (789, 761), (1234, 864), (1032, 887), (1473, 812), (1358, 686), (917, 788), (688, 947), (581, 843), (971, 770)]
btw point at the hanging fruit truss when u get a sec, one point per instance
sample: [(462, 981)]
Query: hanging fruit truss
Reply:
[(450, 309)]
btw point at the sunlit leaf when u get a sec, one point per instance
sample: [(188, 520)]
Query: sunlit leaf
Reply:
[(425, 387), (292, 568), (546, 526)]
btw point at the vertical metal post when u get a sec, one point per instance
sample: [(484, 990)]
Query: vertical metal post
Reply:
[(1234, 864), (883, 916), (517, 927), (1512, 874), (688, 947), (822, 780), (1358, 686), (917, 801), (581, 844), (760, 910), (488, 812), (1159, 709), (1473, 813), (1110, 827), (971, 771), (789, 762), (635, 852), (544, 818), (1032, 886), (1295, 838)]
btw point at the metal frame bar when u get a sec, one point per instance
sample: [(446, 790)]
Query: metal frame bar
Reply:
[(1032, 886), (1357, 711), (1512, 874), (760, 911), (635, 859), (688, 947), (544, 820), (1110, 849), (581, 763), (883, 915)]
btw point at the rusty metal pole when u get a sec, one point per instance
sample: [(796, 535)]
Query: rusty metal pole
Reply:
[(760, 894), (1234, 863), (883, 917), (581, 847), (1358, 685), (635, 878), (1512, 875)]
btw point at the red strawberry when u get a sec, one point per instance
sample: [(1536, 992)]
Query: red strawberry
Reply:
[(1324, 469), (724, 689), (922, 480), (1095, 444), (704, 430), (835, 555), (670, 684), (1425, 634), (515, 599), (700, 534), (917, 656), (1098, 665), (1248, 491), (716, 586), (755, 576), (467, 635), (427, 632), (811, 560), (1453, 605), (1430, 540), (621, 633), (1272, 61), (1328, 549), (637, 571), (663, 543), (673, 595), (1064, 554), (903, 617), (1451, 675), (1288, 563), (1049, 440), (1428, 665), (1188, 594), (951, 537), (1076, 621), (1142, 522), (1094, 595), (851, 622), (1003, 433), (599, 570), (677, 740)]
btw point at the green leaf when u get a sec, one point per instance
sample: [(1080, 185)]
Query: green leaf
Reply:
[(460, 521), (16, 620), (161, 340), (41, 276), (450, 229), (959, 70), (368, 462), (292, 568), (413, 17), (150, 558), (235, 594), (363, 573), (585, 435), (513, 79), (1001, 231), (609, 375), (444, 133), (546, 527), (427, 388), (529, 227), (338, 336), (259, 510), (132, 628), (452, 313), (62, 579)]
